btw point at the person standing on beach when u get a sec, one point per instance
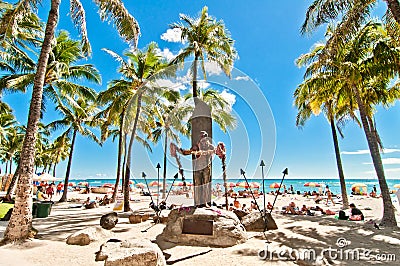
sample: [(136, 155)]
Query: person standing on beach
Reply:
[(329, 195), (59, 188)]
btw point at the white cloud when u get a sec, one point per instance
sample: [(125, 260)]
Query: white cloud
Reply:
[(355, 152), (388, 161), (100, 175), (176, 86), (367, 151), (390, 150), (201, 84), (388, 170), (212, 68), (229, 97), (246, 78), (166, 53), (172, 35)]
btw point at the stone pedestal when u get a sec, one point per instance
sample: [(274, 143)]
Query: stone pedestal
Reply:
[(221, 228)]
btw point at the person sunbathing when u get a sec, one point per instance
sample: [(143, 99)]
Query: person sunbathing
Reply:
[(292, 209), (89, 204), (269, 206)]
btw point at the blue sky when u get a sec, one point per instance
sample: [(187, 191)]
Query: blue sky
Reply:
[(268, 41)]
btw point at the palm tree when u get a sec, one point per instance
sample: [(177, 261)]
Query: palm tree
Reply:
[(169, 116), (310, 99), (62, 72), (20, 224), (353, 13), (78, 118), (131, 91), (365, 65), (59, 151)]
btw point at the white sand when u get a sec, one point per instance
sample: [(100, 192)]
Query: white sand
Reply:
[(295, 231)]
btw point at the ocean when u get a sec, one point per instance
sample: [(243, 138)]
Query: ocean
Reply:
[(298, 184)]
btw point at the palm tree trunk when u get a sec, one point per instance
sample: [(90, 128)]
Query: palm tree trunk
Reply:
[(165, 165), (20, 223), (120, 138), (54, 170), (388, 218), (10, 166), (339, 164), (394, 7), (64, 195), (128, 160), (194, 78), (12, 183), (124, 161)]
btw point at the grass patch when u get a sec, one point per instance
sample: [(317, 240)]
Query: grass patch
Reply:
[(4, 207)]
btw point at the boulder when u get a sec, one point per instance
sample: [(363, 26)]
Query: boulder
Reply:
[(135, 252), (87, 235), (109, 221), (226, 228), (255, 222)]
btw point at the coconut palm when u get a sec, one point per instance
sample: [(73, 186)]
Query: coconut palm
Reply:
[(365, 65), (62, 73), (59, 151), (20, 224), (131, 92), (208, 40), (353, 13), (168, 115), (77, 118)]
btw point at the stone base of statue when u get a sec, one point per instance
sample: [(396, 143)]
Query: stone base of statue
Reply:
[(203, 227)]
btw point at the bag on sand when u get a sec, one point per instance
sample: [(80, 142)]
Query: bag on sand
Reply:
[(343, 216)]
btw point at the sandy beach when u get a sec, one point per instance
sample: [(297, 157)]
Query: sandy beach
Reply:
[(296, 232)]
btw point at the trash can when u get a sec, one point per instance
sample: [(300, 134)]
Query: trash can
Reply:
[(34, 209), (43, 209)]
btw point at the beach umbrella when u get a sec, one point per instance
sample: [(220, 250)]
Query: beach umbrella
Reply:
[(255, 185), (108, 185), (83, 183), (359, 188), (312, 184), (71, 184), (140, 185), (131, 182), (242, 184), (179, 184), (397, 186), (274, 185), (230, 184), (155, 184)]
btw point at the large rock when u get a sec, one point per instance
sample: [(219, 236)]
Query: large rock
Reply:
[(226, 228), (109, 221), (135, 252), (87, 235), (255, 222)]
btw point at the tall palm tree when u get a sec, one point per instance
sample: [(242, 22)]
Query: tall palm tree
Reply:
[(78, 118), (59, 151), (62, 73), (352, 13), (21, 221), (208, 40), (131, 91), (310, 99), (365, 65), (169, 116)]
